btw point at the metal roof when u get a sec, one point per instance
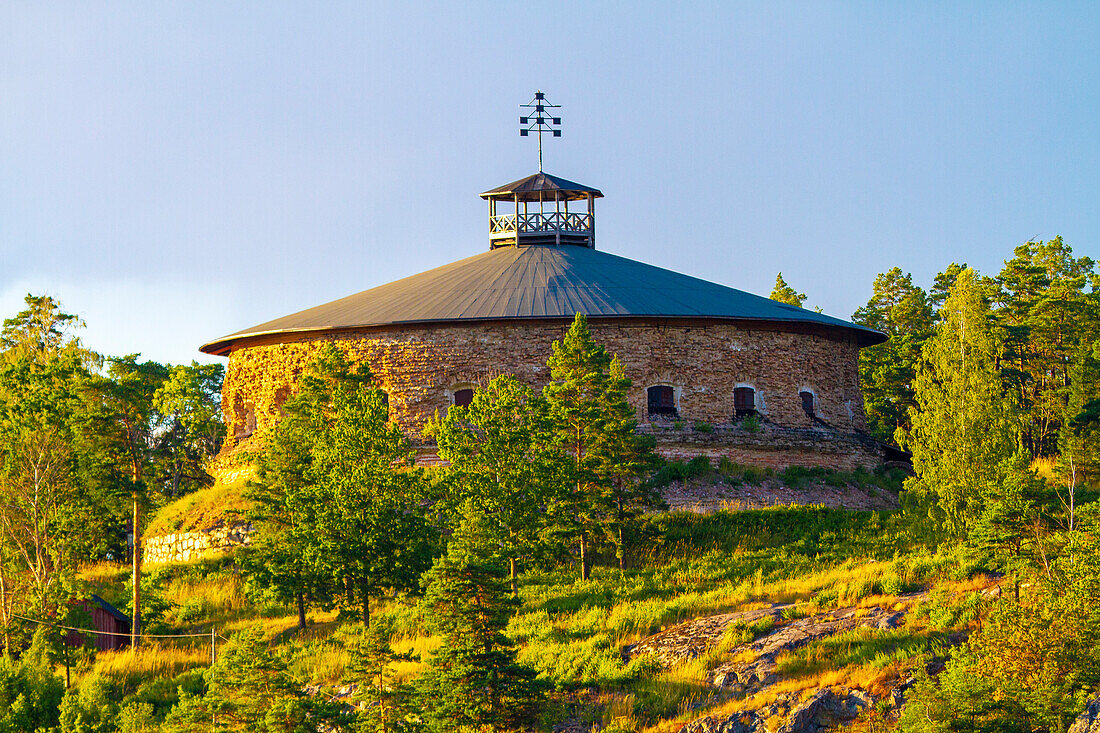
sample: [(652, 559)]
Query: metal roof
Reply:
[(535, 188), (540, 282)]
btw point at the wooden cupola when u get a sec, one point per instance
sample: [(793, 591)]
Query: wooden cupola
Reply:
[(535, 211)]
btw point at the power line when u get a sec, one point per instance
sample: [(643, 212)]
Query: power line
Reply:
[(111, 633)]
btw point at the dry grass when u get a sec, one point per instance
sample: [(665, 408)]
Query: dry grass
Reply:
[(1046, 467), (130, 667)]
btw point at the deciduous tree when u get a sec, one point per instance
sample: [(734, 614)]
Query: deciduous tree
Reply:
[(963, 428)]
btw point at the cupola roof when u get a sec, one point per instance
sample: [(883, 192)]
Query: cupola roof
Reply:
[(543, 187)]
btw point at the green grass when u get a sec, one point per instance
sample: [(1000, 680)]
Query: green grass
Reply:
[(200, 510), (796, 477)]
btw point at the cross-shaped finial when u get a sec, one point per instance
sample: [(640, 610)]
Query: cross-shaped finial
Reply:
[(540, 122)]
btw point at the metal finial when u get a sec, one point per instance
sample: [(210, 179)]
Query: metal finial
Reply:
[(540, 122)]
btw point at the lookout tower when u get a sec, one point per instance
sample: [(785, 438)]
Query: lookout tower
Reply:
[(535, 210)]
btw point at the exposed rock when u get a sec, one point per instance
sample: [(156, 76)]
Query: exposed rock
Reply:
[(824, 709), (710, 495), (1089, 720), (692, 638), (745, 677)]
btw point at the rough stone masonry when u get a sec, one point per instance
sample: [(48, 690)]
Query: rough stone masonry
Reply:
[(421, 366)]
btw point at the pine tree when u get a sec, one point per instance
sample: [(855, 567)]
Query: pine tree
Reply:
[(388, 703), (902, 311), (498, 451), (625, 457), (251, 688), (963, 429), (784, 293), (577, 396), (342, 494), (1047, 316), (473, 683)]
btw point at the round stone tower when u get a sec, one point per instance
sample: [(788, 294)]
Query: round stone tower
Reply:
[(716, 371)]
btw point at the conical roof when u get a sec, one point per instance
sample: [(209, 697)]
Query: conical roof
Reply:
[(516, 283)]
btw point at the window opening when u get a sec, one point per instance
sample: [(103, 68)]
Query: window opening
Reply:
[(808, 403), (744, 401), (463, 397), (662, 400), (386, 404)]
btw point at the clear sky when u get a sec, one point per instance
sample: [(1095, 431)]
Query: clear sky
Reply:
[(174, 172)]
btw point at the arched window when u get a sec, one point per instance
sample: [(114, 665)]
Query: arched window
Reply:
[(808, 403), (661, 400), (463, 397), (744, 401)]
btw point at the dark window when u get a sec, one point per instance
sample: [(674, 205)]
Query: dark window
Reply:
[(662, 400), (463, 397), (744, 401), (807, 402), (386, 404)]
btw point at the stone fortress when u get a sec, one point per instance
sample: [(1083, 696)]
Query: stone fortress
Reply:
[(716, 371)]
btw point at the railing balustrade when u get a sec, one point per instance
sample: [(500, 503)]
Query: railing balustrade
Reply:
[(540, 222)]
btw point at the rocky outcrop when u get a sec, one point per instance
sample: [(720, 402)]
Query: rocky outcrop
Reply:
[(689, 640), (746, 677), (1088, 721), (752, 667), (692, 638), (826, 708)]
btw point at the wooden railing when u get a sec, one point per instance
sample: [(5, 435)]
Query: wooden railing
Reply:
[(554, 221)]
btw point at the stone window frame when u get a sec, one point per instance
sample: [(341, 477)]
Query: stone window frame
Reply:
[(458, 387), (247, 421), (815, 405), (758, 401), (676, 392)]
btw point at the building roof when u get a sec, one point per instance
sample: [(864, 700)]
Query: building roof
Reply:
[(537, 282), (543, 186), (111, 610)]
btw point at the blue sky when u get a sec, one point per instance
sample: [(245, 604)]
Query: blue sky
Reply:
[(176, 172)]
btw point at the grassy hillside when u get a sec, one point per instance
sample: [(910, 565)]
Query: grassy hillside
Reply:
[(575, 633), (200, 510)]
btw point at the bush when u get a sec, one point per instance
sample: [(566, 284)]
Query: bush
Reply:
[(30, 693), (90, 707)]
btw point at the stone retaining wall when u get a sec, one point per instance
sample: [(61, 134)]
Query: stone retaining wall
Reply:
[(186, 546)]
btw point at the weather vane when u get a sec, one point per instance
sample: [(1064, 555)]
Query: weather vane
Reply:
[(540, 122)]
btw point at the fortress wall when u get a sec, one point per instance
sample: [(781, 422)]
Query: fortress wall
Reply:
[(419, 366)]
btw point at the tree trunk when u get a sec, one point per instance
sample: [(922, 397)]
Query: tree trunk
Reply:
[(512, 571), (585, 562), (622, 550), (366, 602), (135, 627), (301, 599)]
